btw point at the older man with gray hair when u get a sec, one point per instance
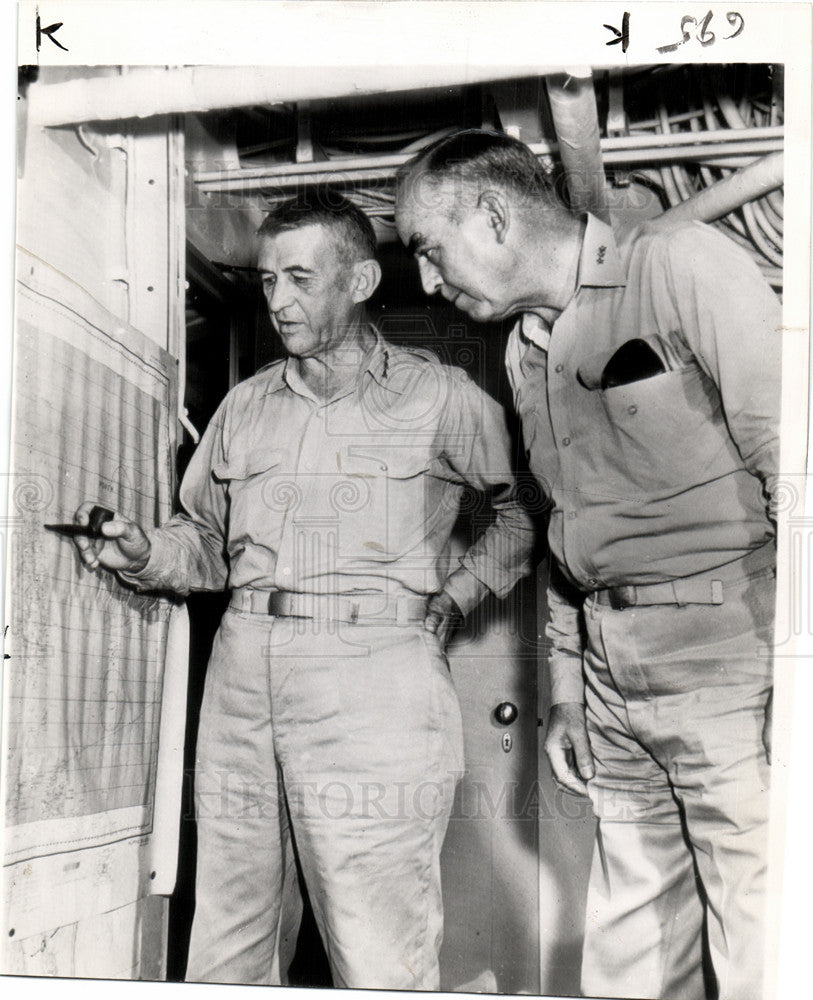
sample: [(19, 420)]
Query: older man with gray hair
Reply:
[(645, 369), (323, 495)]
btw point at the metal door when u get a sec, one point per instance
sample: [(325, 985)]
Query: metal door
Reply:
[(490, 857), (517, 854)]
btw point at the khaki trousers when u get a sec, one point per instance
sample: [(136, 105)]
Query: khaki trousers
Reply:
[(346, 739), (675, 703)]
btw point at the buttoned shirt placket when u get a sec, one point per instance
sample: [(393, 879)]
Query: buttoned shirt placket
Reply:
[(599, 266), (560, 351), (310, 458)]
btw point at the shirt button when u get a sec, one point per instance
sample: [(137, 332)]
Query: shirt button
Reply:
[(560, 368), (565, 442), (286, 570), (571, 515), (632, 410)]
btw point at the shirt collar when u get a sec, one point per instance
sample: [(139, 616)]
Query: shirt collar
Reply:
[(535, 329), (275, 376), (285, 375), (379, 362), (600, 264)]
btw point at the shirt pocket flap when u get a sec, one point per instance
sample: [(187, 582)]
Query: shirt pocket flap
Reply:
[(636, 359), (247, 463), (391, 461)]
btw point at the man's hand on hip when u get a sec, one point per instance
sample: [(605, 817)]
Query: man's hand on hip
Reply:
[(123, 547), (568, 747), (443, 616)]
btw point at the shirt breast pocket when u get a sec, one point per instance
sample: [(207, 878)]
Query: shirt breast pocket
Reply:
[(261, 489), (386, 498), (668, 430)]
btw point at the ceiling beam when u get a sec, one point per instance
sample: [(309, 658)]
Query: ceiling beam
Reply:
[(146, 92)]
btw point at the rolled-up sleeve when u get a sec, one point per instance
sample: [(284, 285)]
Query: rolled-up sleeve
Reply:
[(564, 631)]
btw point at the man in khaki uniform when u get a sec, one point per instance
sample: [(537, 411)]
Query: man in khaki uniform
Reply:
[(323, 495), (646, 373)]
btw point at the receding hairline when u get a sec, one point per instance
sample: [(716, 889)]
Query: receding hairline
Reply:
[(473, 161), (456, 197), (447, 195)]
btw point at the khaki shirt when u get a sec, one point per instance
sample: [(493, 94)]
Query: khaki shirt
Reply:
[(670, 474), (356, 495)]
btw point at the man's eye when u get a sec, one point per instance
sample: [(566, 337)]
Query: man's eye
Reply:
[(431, 254), (269, 281)]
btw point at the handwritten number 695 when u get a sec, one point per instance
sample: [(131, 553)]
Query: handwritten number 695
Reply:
[(705, 35)]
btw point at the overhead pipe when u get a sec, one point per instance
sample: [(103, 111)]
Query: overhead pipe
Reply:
[(732, 220), (730, 111), (742, 147), (774, 233), (675, 177), (753, 181), (727, 164), (705, 174), (615, 150), (573, 108), (145, 92), (771, 214), (708, 178), (674, 182), (338, 171), (777, 202), (293, 178), (713, 135), (650, 123), (758, 237), (766, 238)]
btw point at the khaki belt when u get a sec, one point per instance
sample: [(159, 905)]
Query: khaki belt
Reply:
[(701, 588), (364, 609)]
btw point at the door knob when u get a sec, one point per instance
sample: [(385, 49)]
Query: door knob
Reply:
[(505, 713)]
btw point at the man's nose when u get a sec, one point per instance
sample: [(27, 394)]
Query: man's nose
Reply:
[(278, 296), (430, 276)]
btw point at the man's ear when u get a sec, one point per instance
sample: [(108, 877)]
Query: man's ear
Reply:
[(366, 278), (498, 212)]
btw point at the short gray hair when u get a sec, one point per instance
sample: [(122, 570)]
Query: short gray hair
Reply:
[(323, 206), (480, 158)]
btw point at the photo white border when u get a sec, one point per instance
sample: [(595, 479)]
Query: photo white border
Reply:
[(488, 33)]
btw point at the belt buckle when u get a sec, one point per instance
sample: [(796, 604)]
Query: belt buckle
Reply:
[(622, 597)]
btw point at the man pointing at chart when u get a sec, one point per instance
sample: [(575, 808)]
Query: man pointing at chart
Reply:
[(323, 495)]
